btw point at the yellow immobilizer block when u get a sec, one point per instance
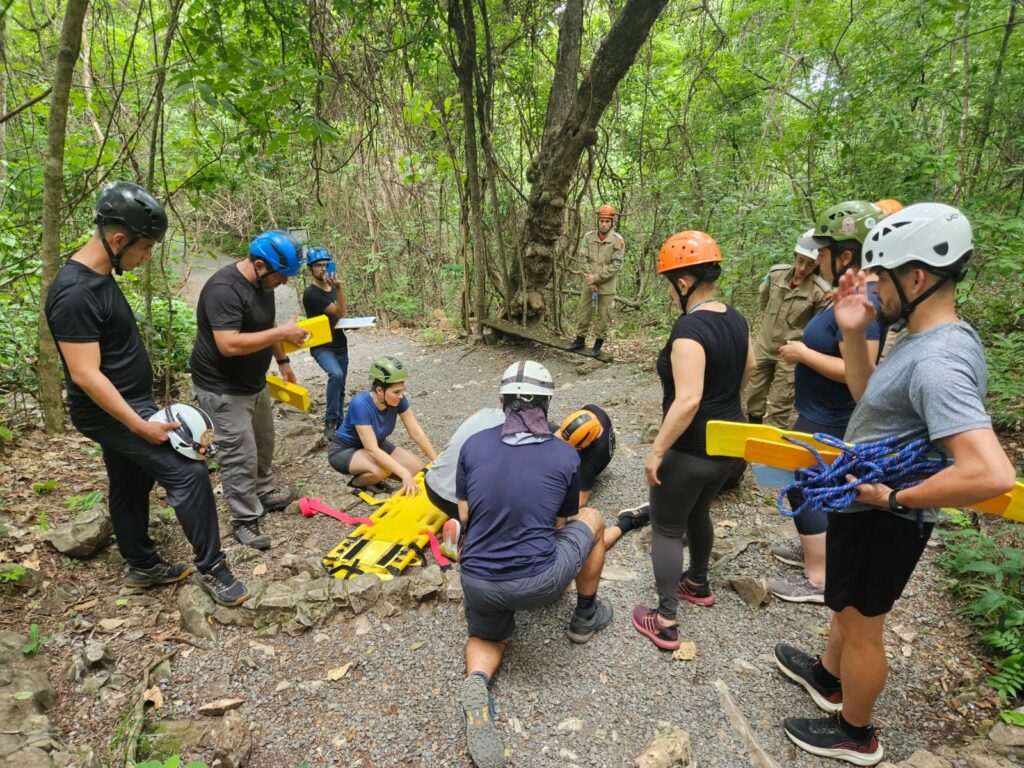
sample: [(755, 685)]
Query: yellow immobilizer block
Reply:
[(396, 539), (289, 394), (319, 330)]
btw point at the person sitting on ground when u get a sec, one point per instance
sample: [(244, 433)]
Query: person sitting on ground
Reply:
[(589, 431), (703, 368), (361, 447), (823, 400), (526, 539), (327, 297), (932, 385)]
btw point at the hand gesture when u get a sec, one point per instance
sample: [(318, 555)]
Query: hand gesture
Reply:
[(651, 465), (155, 432), (792, 351), (854, 310), (409, 487), (292, 331)]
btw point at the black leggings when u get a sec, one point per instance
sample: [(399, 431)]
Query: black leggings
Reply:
[(682, 505)]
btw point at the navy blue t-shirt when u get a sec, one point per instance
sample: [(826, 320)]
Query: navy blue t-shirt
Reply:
[(363, 410), (515, 494), (818, 398)]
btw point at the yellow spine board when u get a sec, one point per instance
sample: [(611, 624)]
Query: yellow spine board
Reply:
[(319, 330), (394, 541)]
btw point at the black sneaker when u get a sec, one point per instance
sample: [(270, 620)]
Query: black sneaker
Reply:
[(825, 737), (330, 428), (482, 738), (581, 630), (634, 518), (161, 573), (278, 499), (249, 534), (799, 667), (222, 586)]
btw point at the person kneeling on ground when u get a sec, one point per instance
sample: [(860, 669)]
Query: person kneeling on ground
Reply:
[(361, 447), (526, 540), (589, 431)]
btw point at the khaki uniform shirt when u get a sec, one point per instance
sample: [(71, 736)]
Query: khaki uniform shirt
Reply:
[(602, 259), (787, 310)]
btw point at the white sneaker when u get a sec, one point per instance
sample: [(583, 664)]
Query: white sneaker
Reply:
[(451, 531)]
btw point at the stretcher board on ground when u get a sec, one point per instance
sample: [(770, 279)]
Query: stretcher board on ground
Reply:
[(771, 449), (541, 336), (287, 393), (319, 330), (398, 537)]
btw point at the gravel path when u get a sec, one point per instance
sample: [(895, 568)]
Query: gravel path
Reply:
[(558, 704)]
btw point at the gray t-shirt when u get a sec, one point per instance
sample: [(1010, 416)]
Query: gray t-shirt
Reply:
[(441, 477), (930, 384)]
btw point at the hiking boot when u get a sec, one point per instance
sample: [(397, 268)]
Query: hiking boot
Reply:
[(483, 742), (222, 586), (645, 621), (798, 589), (826, 737), (799, 667), (579, 343), (598, 343), (278, 499), (249, 534), (634, 518), (451, 532), (161, 573), (695, 592), (581, 630), (330, 428), (790, 553)]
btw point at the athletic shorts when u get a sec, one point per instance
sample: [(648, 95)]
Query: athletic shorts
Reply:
[(491, 605), (450, 508), (340, 455), (869, 556)]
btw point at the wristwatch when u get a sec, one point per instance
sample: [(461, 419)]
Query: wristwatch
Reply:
[(282, 361), (895, 506)]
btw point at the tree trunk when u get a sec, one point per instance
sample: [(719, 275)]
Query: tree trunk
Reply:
[(551, 174), (53, 191)]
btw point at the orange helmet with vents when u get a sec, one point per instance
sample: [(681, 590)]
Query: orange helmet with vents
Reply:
[(580, 429), (687, 249), (889, 205), (606, 212)]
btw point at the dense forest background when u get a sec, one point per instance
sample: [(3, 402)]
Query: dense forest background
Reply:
[(408, 136)]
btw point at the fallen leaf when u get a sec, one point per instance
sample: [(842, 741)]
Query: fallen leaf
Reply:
[(602, 677), (86, 604), (187, 652), (154, 696), (259, 570), (31, 562), (415, 646), (23, 695), (339, 672), (24, 549), (727, 523), (823, 631), (685, 652)]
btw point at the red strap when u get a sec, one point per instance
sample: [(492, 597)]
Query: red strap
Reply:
[(309, 507), (435, 549)]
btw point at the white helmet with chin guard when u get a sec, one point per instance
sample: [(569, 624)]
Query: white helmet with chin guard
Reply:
[(194, 438)]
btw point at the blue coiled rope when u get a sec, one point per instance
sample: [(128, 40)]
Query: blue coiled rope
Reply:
[(894, 461)]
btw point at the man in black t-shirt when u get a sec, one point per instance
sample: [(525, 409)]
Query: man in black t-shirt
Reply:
[(326, 297), (110, 393), (235, 338)]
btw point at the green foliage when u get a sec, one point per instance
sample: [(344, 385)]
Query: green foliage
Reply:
[(85, 501), (1013, 718), (35, 640), (174, 761), (991, 576), (14, 574), (44, 488)]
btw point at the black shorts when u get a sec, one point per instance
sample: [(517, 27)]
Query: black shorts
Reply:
[(869, 556), (449, 508), (340, 455)]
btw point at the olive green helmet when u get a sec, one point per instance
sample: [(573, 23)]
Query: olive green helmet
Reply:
[(389, 370), (851, 220)]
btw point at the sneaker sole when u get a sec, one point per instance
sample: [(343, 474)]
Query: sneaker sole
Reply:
[(482, 738), (582, 637), (161, 582), (823, 704), (819, 599), (789, 560), (665, 645), (857, 758), (704, 602), (631, 510)]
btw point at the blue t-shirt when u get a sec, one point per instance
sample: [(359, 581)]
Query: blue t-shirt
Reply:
[(818, 398), (515, 493), (363, 410)]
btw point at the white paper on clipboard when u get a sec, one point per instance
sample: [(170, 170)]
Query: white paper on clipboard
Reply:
[(346, 323)]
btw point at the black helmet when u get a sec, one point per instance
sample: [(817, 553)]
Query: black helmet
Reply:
[(121, 202)]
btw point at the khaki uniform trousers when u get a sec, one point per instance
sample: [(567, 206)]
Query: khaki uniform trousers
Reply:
[(585, 312), (770, 392)]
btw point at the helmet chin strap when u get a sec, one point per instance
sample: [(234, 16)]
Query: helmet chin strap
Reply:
[(115, 258), (684, 297), (259, 277), (907, 306)]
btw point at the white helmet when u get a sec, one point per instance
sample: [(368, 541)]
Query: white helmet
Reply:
[(932, 233), (194, 438), (527, 378), (804, 245)]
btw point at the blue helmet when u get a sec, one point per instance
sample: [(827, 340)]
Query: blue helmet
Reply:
[(317, 254), (280, 250)]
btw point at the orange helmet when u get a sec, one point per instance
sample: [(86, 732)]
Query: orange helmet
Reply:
[(580, 429), (687, 249), (889, 206), (606, 212)]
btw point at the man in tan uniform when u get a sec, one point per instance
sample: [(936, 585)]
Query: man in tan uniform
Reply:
[(790, 294), (601, 251)]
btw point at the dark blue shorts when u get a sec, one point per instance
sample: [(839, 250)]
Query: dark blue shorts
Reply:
[(340, 455), (491, 605)]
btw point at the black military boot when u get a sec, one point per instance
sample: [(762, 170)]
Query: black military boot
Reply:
[(577, 345), (598, 343)]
